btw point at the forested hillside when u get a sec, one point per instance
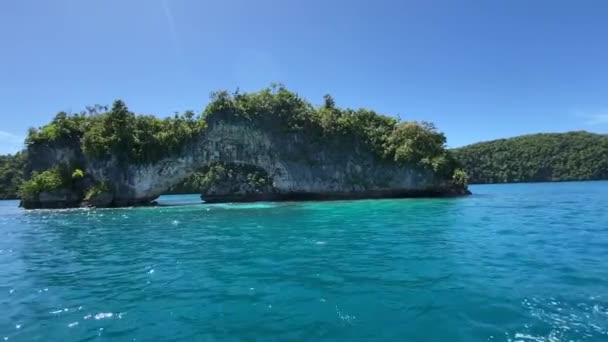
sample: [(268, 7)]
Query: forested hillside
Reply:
[(538, 157), (11, 175)]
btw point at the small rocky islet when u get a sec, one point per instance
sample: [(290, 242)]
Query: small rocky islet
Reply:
[(266, 145)]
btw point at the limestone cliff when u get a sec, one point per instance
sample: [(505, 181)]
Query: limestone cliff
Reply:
[(299, 165), (307, 153)]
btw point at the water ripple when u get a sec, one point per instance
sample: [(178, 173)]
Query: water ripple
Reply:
[(511, 263)]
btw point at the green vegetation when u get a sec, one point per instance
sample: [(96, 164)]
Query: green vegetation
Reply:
[(252, 177), (120, 133), (96, 190), (62, 127), (460, 178), (127, 137), (11, 175), (77, 174), (413, 143), (420, 143), (537, 157), (52, 180), (46, 181)]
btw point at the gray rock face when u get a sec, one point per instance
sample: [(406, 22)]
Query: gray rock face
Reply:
[(300, 165)]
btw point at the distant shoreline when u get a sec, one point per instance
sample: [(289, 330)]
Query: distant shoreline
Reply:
[(536, 182)]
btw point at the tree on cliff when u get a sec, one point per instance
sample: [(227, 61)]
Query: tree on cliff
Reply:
[(113, 134), (328, 102)]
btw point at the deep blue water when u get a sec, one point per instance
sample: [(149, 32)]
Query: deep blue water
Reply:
[(523, 262)]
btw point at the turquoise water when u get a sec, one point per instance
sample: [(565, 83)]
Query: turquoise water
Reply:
[(525, 262)]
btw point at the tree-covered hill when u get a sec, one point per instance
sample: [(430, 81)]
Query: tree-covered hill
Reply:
[(537, 158), (11, 175)]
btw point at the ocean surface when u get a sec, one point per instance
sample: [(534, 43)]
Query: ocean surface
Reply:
[(520, 262)]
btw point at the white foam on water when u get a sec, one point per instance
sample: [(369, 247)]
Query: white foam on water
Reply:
[(87, 316), (527, 337), (73, 324), (598, 310), (56, 312), (344, 317), (103, 315), (18, 326), (244, 206)]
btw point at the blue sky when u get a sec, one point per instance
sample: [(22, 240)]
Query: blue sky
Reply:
[(479, 70)]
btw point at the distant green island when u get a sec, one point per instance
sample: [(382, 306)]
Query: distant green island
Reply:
[(12, 174), (266, 145), (545, 157)]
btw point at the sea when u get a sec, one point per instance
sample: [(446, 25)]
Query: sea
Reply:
[(512, 262)]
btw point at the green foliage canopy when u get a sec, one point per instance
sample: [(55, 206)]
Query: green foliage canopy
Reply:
[(57, 178), (96, 190), (128, 137), (120, 133), (414, 143), (46, 181), (536, 158), (11, 174), (217, 173)]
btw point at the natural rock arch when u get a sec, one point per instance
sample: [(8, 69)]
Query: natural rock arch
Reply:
[(229, 182), (308, 152), (301, 166)]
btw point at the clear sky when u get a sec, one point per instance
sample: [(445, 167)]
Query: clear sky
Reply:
[(479, 70)]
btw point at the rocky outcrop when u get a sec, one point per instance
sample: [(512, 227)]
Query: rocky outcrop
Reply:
[(301, 166), (54, 200)]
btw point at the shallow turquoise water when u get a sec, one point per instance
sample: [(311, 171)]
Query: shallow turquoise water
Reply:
[(525, 262)]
